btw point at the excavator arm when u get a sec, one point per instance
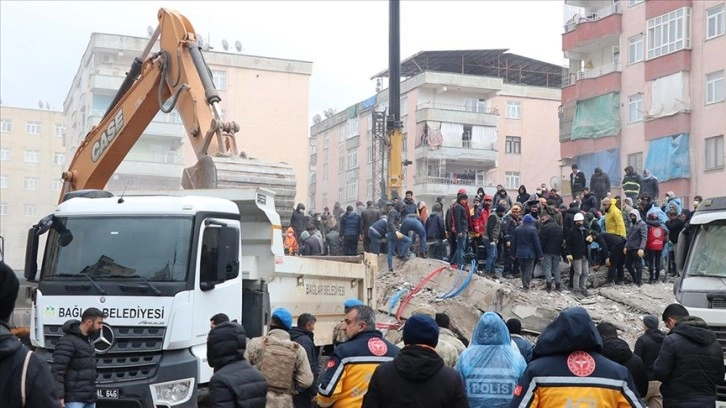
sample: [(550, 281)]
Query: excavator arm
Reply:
[(177, 72)]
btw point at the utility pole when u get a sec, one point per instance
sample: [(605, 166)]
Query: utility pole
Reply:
[(395, 138)]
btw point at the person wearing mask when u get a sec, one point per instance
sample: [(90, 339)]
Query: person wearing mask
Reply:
[(235, 383), (350, 229), (600, 184), (526, 248), (417, 376), (490, 365), (577, 181), (303, 335), (550, 237), (690, 362), (74, 361), (369, 217), (635, 247), (282, 362), (697, 202), (567, 366), (436, 233), (502, 195), (649, 185), (25, 379), (617, 350), (647, 347), (576, 255), (631, 183)]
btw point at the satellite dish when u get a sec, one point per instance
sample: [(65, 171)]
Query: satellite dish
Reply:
[(225, 44), (555, 183), (40, 104), (149, 30), (238, 46), (47, 105), (317, 119)]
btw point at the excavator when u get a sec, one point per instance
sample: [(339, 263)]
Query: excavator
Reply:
[(176, 76)]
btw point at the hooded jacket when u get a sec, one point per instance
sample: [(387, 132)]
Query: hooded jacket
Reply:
[(305, 339), (550, 237), (523, 195), (614, 223), (618, 350), (39, 387), (502, 195), (648, 347), (490, 365), (638, 234), (567, 365), (649, 185), (631, 182), (369, 217), (690, 365), (599, 183), (74, 365), (234, 383), (435, 226), (417, 377), (589, 201)]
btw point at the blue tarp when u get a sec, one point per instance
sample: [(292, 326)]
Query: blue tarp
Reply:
[(668, 157), (490, 366), (608, 161), (597, 117), (368, 103)]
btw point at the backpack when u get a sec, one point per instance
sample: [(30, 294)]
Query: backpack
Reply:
[(278, 365), (21, 357), (656, 238)]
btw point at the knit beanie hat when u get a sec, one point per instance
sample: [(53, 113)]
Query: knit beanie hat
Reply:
[(528, 219), (650, 321), (9, 287), (421, 329), (500, 209)]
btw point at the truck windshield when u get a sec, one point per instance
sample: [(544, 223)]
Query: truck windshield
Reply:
[(106, 248), (706, 256)]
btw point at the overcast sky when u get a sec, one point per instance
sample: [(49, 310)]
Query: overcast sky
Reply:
[(41, 43)]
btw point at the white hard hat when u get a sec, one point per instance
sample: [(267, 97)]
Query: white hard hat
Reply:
[(579, 217)]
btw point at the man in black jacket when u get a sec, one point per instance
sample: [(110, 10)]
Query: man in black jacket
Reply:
[(648, 347), (38, 382), (550, 237), (74, 361), (235, 383), (690, 362), (303, 335), (370, 215), (417, 376), (617, 349), (612, 246), (577, 181)]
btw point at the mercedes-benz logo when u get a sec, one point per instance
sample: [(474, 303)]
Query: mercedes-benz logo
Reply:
[(103, 340)]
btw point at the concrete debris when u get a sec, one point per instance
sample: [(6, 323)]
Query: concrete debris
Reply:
[(622, 306)]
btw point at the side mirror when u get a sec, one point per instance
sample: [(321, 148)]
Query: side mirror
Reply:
[(31, 254)]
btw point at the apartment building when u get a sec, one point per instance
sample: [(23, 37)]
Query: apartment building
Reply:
[(32, 158), (471, 119), (646, 89), (267, 97)]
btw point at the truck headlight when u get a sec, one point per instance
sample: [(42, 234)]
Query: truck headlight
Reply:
[(173, 392)]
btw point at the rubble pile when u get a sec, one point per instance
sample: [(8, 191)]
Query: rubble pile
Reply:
[(622, 306)]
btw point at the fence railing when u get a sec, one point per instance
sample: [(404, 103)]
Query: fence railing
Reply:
[(457, 108), (600, 71), (590, 17)]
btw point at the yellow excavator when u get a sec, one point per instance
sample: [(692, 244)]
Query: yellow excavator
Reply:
[(176, 76)]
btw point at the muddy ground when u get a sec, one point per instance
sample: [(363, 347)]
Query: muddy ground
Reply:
[(622, 306)]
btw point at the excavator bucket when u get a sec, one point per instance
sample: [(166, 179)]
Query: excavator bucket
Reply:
[(243, 172)]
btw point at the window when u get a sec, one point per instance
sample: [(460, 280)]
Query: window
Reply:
[(3, 208), (31, 183), (369, 189), (352, 158), (511, 179), (341, 194), (4, 154), (635, 108), (341, 157), (466, 136), (32, 128), (29, 210), (404, 106), (514, 110), (351, 189), (325, 199), (669, 32), (716, 22), (714, 87), (632, 3), (6, 125), (220, 79), (326, 140), (4, 181), (325, 171), (57, 185), (60, 130), (513, 145), (325, 155), (714, 153), (369, 154), (636, 160), (635, 49), (32, 156), (59, 158)]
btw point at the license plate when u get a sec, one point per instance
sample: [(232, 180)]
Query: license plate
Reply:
[(107, 393)]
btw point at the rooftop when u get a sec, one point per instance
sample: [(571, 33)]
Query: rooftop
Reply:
[(498, 63)]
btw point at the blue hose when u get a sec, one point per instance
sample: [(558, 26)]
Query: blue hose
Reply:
[(456, 284), (464, 284)]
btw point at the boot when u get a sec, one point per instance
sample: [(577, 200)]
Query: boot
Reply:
[(549, 287), (558, 288)]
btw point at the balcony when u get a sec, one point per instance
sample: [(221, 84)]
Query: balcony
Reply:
[(590, 27), (469, 115), (152, 164), (460, 152), (599, 71), (165, 129), (105, 83), (429, 186), (592, 82)]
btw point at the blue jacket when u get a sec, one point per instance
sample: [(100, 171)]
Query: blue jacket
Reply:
[(435, 226), (526, 242), (350, 224), (380, 227), (490, 366)]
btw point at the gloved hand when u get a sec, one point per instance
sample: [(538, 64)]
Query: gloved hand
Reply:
[(640, 253), (569, 258), (607, 262), (399, 235)]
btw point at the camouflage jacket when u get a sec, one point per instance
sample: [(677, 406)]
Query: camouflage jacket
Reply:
[(445, 350)]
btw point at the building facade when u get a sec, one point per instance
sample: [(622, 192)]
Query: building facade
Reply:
[(267, 97), (470, 119), (646, 89), (32, 158)]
